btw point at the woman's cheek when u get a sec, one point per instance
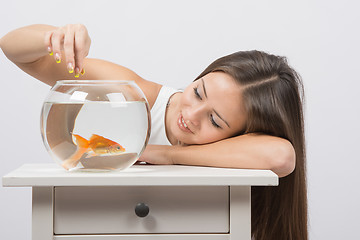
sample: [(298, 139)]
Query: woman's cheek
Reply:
[(188, 99), (205, 137)]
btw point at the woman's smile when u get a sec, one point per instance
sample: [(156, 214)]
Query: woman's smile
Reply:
[(182, 124)]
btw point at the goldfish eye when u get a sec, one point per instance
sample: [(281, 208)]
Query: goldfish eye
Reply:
[(118, 148)]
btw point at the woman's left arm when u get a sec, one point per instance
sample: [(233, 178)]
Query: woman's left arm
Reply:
[(249, 151)]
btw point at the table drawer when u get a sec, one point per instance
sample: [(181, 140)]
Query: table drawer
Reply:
[(178, 209)]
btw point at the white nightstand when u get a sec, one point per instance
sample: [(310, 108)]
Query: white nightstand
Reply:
[(143, 202)]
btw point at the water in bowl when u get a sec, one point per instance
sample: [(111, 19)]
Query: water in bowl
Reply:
[(95, 135)]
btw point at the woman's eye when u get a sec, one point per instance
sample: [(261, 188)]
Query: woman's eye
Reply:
[(213, 121), (196, 92)]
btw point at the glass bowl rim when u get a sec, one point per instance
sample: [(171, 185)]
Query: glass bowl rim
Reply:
[(95, 82)]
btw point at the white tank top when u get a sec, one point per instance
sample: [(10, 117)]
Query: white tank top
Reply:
[(158, 133)]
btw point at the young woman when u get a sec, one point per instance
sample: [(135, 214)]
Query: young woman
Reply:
[(243, 111)]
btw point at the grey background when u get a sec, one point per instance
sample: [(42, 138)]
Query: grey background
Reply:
[(170, 42)]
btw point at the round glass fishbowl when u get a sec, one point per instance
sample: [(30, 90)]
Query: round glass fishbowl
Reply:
[(95, 125)]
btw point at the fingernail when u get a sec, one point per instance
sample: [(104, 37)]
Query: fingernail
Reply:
[(82, 71), (50, 51), (70, 67), (57, 58), (77, 74)]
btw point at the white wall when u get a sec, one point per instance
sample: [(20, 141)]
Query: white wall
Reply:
[(171, 42)]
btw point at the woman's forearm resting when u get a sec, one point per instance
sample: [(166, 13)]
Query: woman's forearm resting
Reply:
[(246, 151)]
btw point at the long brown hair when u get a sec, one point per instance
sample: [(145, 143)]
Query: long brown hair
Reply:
[(273, 94)]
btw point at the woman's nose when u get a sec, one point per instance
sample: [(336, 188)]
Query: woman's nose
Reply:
[(195, 113)]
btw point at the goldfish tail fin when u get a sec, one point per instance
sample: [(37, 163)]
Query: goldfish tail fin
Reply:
[(90, 154), (73, 160), (80, 141)]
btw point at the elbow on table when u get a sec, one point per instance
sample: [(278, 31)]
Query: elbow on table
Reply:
[(284, 159)]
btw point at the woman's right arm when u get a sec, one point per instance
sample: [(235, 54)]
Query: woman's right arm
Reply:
[(51, 53), (32, 55)]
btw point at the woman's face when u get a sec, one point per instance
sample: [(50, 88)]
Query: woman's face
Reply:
[(210, 109)]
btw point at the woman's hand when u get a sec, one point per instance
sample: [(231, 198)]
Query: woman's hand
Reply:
[(74, 41), (157, 154)]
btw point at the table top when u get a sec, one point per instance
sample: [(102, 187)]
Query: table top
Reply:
[(30, 175)]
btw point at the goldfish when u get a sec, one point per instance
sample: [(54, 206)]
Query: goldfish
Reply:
[(95, 146)]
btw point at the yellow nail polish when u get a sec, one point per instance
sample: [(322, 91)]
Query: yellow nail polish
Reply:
[(50, 51), (83, 71), (57, 58), (77, 72), (70, 68)]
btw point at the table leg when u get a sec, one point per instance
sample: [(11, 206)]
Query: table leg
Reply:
[(240, 213), (42, 213)]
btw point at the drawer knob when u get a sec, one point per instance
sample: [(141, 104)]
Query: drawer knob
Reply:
[(141, 210)]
